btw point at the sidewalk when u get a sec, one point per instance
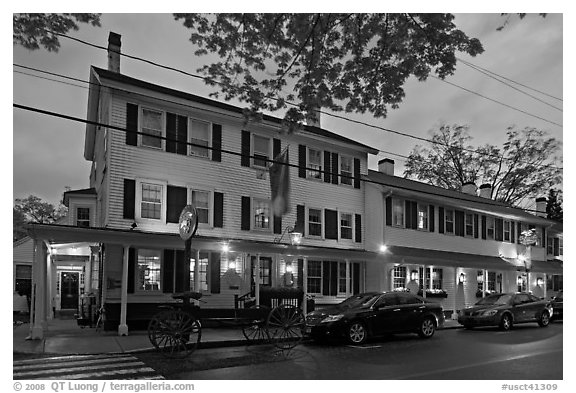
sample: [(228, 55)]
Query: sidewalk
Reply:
[(63, 336)]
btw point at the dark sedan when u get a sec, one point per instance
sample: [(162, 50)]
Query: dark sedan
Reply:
[(505, 310), (375, 314), (558, 306)]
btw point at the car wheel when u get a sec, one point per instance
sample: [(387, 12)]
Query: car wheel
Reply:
[(506, 322), (544, 319), (357, 333), (427, 328)]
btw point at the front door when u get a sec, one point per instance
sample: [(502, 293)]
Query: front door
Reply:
[(265, 272), (69, 284)]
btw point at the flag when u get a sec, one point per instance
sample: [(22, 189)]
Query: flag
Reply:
[(280, 184)]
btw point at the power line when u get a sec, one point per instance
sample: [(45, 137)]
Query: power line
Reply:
[(272, 161), (404, 134)]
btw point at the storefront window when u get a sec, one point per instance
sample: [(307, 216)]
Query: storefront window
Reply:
[(202, 272), (399, 277), (149, 263)]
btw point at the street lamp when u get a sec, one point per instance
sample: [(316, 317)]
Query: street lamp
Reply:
[(295, 236)]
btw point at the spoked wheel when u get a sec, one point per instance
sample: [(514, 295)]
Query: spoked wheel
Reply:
[(174, 333), (285, 325), (255, 329)]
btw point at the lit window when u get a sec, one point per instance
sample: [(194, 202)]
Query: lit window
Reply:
[(261, 151), (397, 213), (449, 221), (83, 217), (201, 200), (261, 214), (314, 164), (423, 217), (148, 270), (315, 277), (469, 224), (199, 138), (490, 227), (346, 170), (202, 272), (436, 278), (399, 277), (151, 128), (314, 222), (345, 226)]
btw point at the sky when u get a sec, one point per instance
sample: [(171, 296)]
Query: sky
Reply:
[(48, 152)]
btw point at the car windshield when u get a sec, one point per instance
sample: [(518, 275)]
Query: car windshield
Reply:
[(501, 298), (364, 299)]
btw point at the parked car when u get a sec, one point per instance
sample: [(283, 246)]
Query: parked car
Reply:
[(505, 310), (557, 305), (373, 314)]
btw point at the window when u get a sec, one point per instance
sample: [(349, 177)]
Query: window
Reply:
[(314, 164), (554, 282), (151, 128), (397, 213), (550, 246), (202, 272), (261, 214), (469, 224), (561, 246), (315, 222), (329, 277), (201, 200), (148, 277), (83, 217), (342, 277), (490, 284), (199, 138), (539, 237), (345, 226), (507, 237), (449, 221), (265, 271), (399, 277), (490, 227), (436, 278), (261, 151), (346, 170), (423, 217), (23, 283), (151, 205), (314, 277)]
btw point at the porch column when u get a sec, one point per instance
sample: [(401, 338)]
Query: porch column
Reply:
[(123, 327), (50, 288), (196, 270), (528, 281), (256, 274), (305, 284), (348, 291), (484, 282), (456, 287), (544, 284), (424, 282), (39, 281)]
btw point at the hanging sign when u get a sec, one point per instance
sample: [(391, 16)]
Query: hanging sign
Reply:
[(188, 222)]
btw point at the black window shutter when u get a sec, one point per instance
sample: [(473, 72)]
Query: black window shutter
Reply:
[(325, 278), (214, 272), (301, 161), (476, 229), (335, 168), (459, 222), (245, 214), (168, 271), (182, 272), (182, 135), (414, 217), (218, 210), (355, 278), (440, 220), (217, 142), (129, 198), (356, 173), (176, 198), (278, 224), (484, 227), (131, 124), (276, 148), (389, 211), (519, 227), (131, 269), (499, 235), (358, 228), (300, 279), (170, 132), (512, 233), (331, 227), (556, 247), (327, 174), (299, 227), (431, 218), (408, 214), (245, 149), (333, 278), (543, 240)]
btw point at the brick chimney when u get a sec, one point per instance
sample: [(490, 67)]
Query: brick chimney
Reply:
[(469, 188), (541, 204), (386, 165), (486, 191), (114, 45)]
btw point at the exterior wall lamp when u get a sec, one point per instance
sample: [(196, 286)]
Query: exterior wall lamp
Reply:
[(413, 275), (462, 278), (295, 236), (539, 281), (519, 280)]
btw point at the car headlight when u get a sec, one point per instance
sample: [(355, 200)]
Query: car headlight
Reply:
[(490, 313), (332, 318)]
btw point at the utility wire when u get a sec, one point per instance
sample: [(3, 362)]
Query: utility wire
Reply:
[(404, 134), (272, 161)]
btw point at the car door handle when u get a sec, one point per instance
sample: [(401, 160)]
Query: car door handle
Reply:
[(396, 309)]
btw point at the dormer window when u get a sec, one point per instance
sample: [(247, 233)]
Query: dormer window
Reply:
[(83, 217)]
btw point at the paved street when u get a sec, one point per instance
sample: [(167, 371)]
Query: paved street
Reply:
[(527, 352)]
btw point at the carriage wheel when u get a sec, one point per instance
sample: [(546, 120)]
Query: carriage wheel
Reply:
[(286, 324), (255, 327), (174, 333)]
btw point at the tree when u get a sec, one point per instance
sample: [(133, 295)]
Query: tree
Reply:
[(344, 62), (525, 166), (33, 209), (35, 30), (554, 203)]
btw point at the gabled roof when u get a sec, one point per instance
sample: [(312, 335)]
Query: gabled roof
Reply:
[(73, 193), (407, 187), (102, 73)]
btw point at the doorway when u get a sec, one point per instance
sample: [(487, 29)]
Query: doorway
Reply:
[(69, 288)]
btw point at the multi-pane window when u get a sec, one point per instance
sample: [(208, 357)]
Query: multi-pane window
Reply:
[(265, 271), (436, 282), (261, 151), (342, 277), (314, 164), (346, 170), (490, 227), (330, 277), (469, 224), (561, 246), (399, 277), (507, 237), (261, 214), (151, 128), (550, 246), (314, 222), (449, 221), (345, 225), (199, 138), (202, 272), (423, 217), (314, 277), (23, 283), (397, 213), (83, 217), (490, 283), (539, 237), (149, 264), (151, 206), (201, 200)]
